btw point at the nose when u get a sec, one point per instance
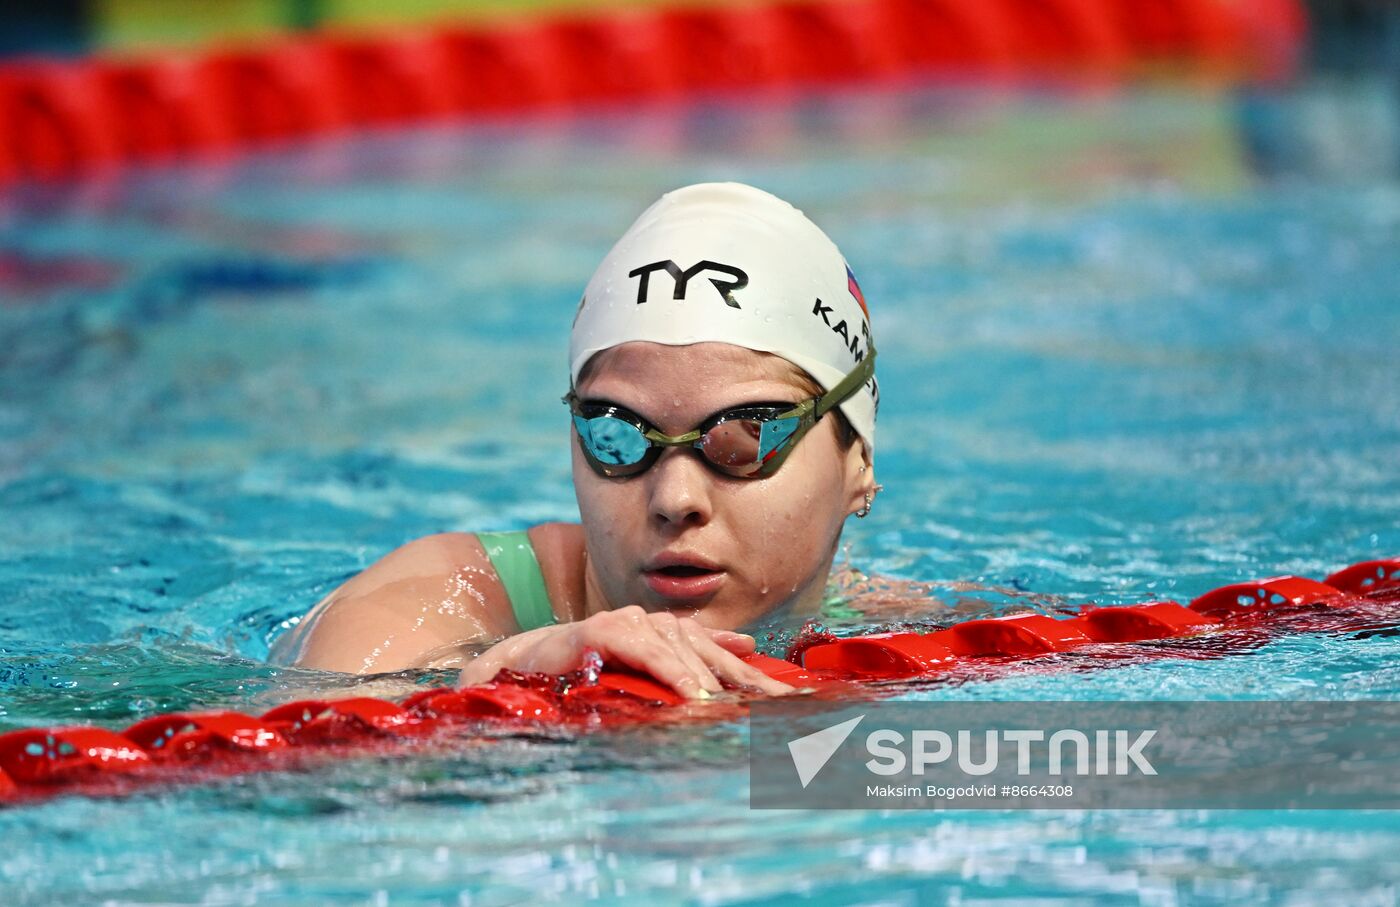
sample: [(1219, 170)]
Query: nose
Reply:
[(680, 490)]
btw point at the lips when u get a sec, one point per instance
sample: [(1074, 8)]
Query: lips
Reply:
[(683, 577)]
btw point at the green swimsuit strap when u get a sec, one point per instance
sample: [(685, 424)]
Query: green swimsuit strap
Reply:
[(514, 559)]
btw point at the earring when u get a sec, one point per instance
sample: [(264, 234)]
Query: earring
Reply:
[(869, 500)]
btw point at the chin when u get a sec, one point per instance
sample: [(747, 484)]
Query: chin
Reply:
[(727, 616)]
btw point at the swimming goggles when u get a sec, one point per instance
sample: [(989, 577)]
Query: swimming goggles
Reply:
[(748, 442)]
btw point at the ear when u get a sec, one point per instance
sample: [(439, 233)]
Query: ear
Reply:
[(859, 468)]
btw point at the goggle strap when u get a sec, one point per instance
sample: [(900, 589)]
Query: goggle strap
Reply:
[(848, 385)]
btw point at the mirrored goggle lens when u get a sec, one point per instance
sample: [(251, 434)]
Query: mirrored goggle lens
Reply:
[(737, 447), (612, 442), (741, 446)]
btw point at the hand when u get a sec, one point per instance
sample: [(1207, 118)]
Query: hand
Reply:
[(693, 660)]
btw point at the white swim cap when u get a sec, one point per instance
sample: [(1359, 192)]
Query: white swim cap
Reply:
[(730, 263)]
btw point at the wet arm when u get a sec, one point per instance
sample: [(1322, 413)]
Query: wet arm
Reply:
[(404, 611)]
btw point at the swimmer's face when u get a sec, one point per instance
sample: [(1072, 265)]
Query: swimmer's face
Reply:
[(753, 545)]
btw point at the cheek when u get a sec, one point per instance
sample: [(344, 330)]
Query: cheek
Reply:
[(592, 492), (818, 480), (603, 504), (585, 485), (803, 504)]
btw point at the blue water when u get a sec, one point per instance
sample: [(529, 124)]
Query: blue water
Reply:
[(1134, 345)]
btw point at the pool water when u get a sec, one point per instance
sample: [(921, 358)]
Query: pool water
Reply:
[(1134, 345)]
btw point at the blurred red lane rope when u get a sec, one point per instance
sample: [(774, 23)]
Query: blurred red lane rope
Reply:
[(59, 120)]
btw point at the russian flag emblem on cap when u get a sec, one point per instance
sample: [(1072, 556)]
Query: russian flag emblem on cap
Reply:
[(855, 291)]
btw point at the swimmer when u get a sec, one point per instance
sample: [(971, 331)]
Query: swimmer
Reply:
[(722, 406)]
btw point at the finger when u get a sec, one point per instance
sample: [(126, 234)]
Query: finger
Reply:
[(739, 643), (515, 651), (671, 630), (624, 636), (727, 666), (665, 627), (642, 649)]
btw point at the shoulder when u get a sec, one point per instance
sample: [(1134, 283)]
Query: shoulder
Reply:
[(440, 554), (439, 550), (432, 591)]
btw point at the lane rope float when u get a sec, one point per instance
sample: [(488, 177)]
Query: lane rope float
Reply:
[(61, 119), (194, 746)]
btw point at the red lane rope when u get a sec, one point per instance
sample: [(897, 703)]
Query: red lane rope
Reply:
[(62, 119), (39, 762)]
